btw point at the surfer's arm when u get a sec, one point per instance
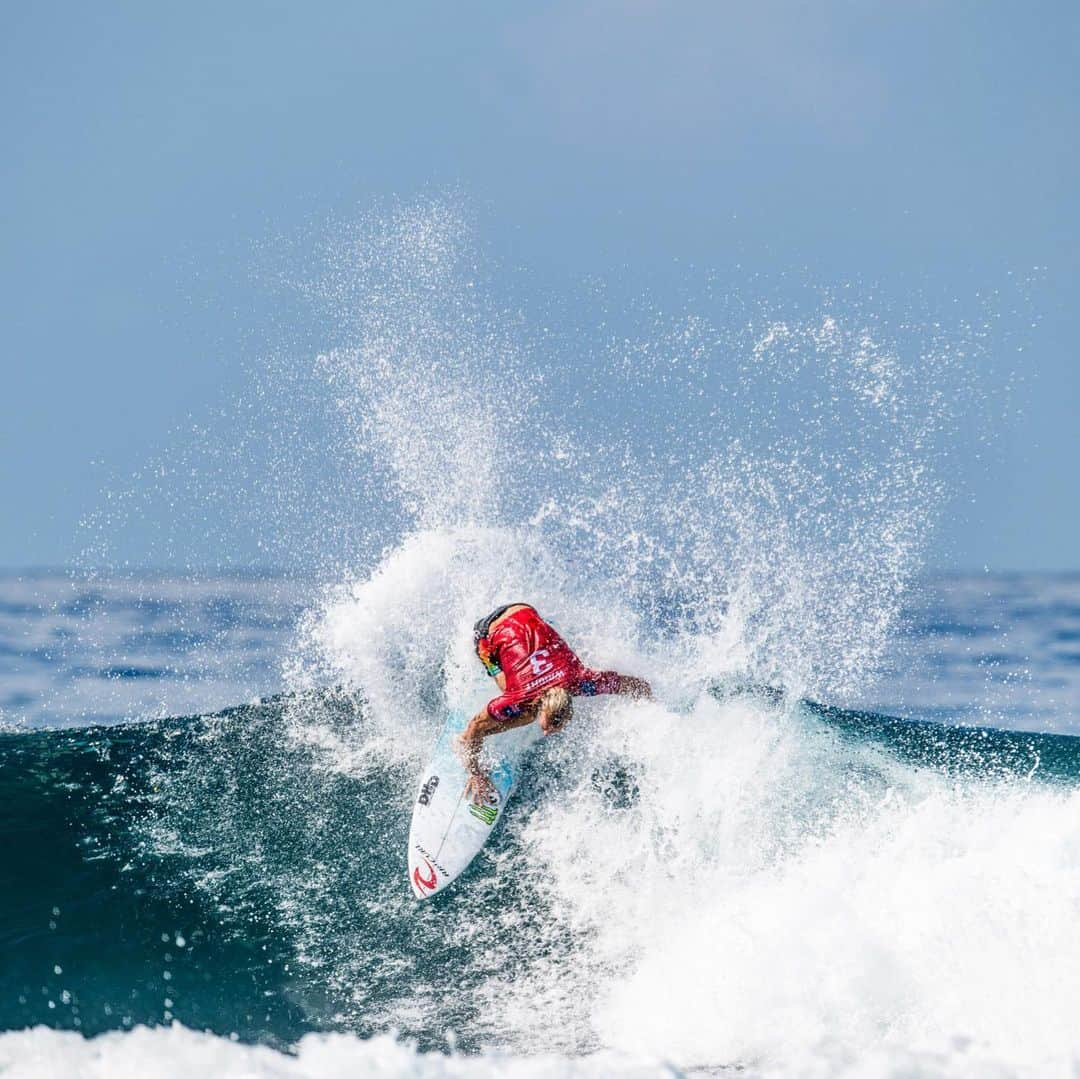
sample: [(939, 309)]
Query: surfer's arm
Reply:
[(472, 740), (479, 727)]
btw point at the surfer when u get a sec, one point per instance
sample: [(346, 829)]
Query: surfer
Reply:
[(538, 674)]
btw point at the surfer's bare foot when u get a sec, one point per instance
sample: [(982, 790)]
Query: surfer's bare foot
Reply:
[(480, 790)]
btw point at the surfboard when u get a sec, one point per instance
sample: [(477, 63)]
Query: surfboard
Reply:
[(448, 830)]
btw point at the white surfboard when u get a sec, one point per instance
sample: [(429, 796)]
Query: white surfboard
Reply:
[(448, 829)]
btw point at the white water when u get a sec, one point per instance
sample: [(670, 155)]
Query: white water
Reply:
[(806, 901), (177, 1053)]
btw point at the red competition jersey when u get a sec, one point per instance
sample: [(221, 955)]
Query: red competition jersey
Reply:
[(533, 657)]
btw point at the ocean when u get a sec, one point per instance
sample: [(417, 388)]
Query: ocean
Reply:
[(214, 875), (843, 839)]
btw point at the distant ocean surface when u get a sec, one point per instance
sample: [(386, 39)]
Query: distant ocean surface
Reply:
[(977, 648), (77, 650)]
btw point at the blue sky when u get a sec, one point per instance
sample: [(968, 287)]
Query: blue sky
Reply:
[(150, 150)]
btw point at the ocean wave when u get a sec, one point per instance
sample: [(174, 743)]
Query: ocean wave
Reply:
[(741, 883)]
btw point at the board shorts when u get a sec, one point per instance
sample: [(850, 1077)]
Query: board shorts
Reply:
[(534, 658)]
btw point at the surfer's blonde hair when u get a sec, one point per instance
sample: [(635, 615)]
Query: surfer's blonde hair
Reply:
[(557, 705)]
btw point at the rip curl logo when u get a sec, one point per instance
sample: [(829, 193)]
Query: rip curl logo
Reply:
[(485, 813), (430, 858), (422, 883)]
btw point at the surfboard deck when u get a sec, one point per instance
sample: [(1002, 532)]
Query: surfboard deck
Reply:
[(448, 830)]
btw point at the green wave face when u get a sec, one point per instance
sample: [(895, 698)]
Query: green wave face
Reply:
[(214, 871)]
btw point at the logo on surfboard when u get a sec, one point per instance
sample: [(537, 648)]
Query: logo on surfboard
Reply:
[(427, 790), (422, 883), (485, 813)]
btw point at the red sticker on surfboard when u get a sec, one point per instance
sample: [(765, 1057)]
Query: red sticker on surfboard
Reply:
[(422, 883)]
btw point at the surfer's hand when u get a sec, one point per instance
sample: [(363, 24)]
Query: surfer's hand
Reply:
[(480, 790)]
